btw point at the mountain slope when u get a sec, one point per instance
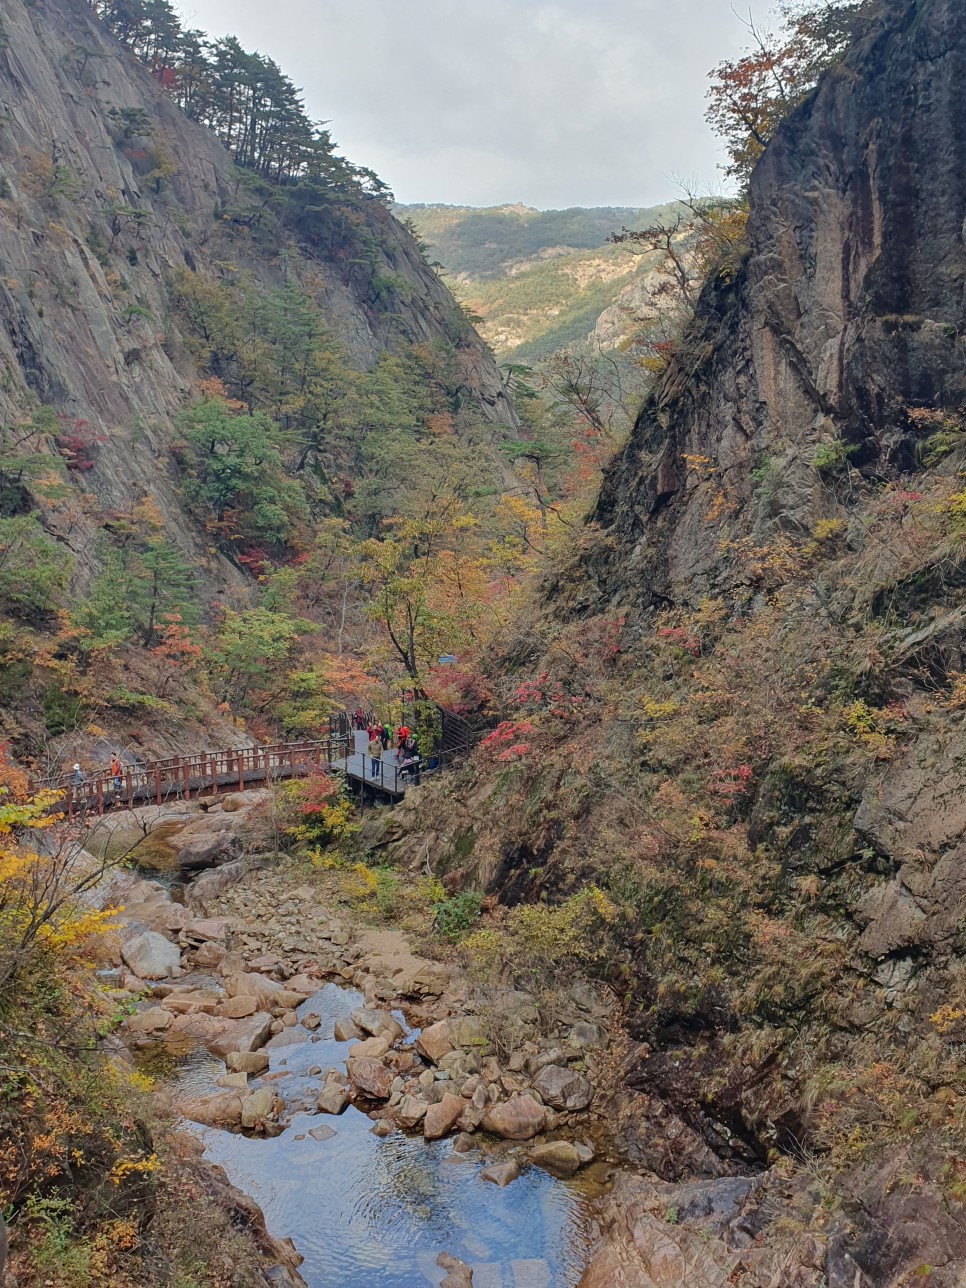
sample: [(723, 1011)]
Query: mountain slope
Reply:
[(541, 280), (142, 275), (90, 236)]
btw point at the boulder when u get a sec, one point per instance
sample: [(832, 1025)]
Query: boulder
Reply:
[(333, 1098), (433, 1043), (208, 849), (442, 1118), (247, 1061), (501, 1174), (303, 984), (237, 1008), (151, 956), (236, 1081), (519, 1118), (346, 1031), (558, 1157), (564, 1088), (211, 885), (244, 1035), (585, 1034), (258, 1109), (377, 1023), (375, 1047), (467, 1031), (154, 1020), (201, 1027), (458, 1273), (208, 928), (371, 1077), (209, 955), (411, 1111), (245, 984), (224, 1109), (192, 1002)]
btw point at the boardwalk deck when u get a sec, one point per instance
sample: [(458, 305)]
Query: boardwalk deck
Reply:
[(344, 751)]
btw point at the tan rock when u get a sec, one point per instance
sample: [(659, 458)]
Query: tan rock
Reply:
[(232, 1080), (221, 1110), (258, 1109), (371, 1077), (333, 1098), (519, 1118), (237, 1008), (501, 1174), (377, 1023), (442, 1118), (346, 1031), (434, 1042), (375, 1047), (248, 1061), (411, 1111), (154, 1020), (558, 1157), (244, 1035)]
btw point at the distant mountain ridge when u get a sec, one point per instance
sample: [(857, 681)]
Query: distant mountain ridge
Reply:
[(539, 280)]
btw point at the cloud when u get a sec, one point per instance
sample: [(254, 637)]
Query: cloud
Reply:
[(551, 102)]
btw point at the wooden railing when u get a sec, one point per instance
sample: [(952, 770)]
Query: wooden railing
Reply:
[(234, 769), (184, 777)]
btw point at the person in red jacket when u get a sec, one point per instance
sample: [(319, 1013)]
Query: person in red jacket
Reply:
[(402, 733)]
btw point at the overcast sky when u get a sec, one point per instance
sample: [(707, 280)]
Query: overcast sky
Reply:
[(553, 103)]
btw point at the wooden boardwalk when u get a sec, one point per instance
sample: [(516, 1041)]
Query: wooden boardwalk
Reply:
[(343, 751), (185, 777)]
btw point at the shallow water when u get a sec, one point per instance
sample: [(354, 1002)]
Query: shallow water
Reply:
[(367, 1212)]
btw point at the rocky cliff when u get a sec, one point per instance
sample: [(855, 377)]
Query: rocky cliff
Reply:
[(96, 216), (844, 322)]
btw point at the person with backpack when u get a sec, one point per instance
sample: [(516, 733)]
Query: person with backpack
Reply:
[(116, 774)]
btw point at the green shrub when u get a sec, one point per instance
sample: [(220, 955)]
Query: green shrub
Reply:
[(455, 915)]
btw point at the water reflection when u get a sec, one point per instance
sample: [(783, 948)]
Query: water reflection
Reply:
[(374, 1213)]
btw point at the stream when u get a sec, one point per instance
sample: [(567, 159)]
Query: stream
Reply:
[(367, 1212)]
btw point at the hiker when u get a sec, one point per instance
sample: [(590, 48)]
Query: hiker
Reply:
[(116, 774), (77, 778), (402, 733), (385, 734), (411, 766), (359, 718), (375, 754)]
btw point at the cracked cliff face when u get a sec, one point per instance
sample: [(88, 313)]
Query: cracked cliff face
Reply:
[(89, 238), (848, 312)]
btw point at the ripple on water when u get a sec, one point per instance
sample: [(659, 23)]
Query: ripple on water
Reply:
[(375, 1213)]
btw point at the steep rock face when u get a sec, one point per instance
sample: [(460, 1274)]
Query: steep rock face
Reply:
[(848, 312), (89, 238)]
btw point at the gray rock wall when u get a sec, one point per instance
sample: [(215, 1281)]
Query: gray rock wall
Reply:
[(86, 325), (848, 311)]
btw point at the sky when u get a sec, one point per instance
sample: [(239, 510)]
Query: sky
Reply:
[(553, 103)]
